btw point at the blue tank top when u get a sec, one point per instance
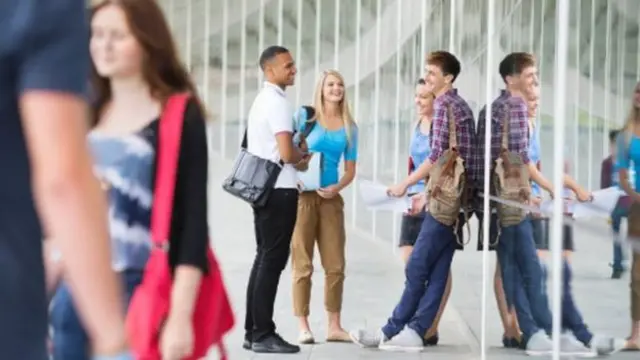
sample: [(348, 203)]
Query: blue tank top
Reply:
[(419, 150)]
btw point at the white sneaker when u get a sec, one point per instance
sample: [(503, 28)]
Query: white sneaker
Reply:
[(367, 338), (306, 338), (406, 341), (539, 344), (570, 346), (606, 345)]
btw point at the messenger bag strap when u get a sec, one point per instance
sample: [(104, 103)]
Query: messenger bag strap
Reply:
[(505, 129), (453, 139)]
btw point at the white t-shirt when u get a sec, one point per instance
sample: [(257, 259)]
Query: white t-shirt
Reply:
[(270, 114)]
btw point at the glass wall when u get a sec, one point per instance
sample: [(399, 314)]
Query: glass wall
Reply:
[(379, 46)]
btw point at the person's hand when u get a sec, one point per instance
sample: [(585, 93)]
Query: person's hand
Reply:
[(176, 340), (536, 201), (418, 203), (328, 192), (584, 196), (397, 190), (303, 165), (303, 146)]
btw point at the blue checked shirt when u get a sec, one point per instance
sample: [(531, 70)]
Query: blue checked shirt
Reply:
[(465, 130), (515, 110)]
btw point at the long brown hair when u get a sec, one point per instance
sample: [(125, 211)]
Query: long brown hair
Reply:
[(162, 69)]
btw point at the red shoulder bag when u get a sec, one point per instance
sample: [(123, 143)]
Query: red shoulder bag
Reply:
[(213, 316)]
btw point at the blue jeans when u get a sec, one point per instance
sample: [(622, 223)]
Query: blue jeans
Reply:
[(571, 318), (426, 277), (70, 341), (522, 278), (617, 215)]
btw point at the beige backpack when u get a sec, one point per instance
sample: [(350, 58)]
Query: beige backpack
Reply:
[(447, 187), (511, 180)]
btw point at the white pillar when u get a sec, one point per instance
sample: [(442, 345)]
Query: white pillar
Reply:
[(489, 70), (592, 46), (225, 70), (559, 113), (243, 71)]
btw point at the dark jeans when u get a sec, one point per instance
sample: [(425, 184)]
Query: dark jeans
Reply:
[(522, 278), (619, 212), (426, 277), (273, 225), (70, 341), (571, 318)]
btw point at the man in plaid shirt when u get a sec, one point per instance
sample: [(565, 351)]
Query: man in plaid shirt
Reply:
[(519, 72), (433, 251)]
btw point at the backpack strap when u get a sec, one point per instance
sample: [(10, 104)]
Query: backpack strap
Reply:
[(310, 120), (505, 129), (453, 139)]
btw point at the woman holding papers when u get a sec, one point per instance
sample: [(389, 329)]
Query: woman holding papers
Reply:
[(330, 135), (419, 150)]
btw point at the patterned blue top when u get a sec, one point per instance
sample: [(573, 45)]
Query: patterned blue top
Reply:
[(126, 164), (419, 150)]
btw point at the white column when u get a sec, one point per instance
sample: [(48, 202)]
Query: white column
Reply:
[(243, 71), (452, 26), (396, 122), (622, 42), (188, 36), (592, 46), (280, 21), (423, 36), (543, 6), (298, 47), (336, 37), (261, 37), (607, 81), (206, 51), (317, 37), (559, 113), (489, 70), (376, 105), (575, 164), (225, 70), (354, 197), (531, 28)]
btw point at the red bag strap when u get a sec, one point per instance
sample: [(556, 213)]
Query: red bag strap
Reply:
[(169, 136)]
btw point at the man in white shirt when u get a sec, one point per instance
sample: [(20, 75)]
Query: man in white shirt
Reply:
[(270, 136)]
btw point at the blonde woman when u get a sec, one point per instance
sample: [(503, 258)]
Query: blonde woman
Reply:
[(321, 212), (628, 155)]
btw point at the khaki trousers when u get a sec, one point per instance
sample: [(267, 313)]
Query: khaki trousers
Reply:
[(319, 220), (635, 285)]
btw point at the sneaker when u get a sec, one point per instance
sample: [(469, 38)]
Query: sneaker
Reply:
[(406, 341), (539, 344), (570, 346), (274, 344), (306, 338), (605, 345), (367, 338)]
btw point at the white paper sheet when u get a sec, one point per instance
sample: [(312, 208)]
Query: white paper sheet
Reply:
[(310, 179), (374, 196), (601, 207)]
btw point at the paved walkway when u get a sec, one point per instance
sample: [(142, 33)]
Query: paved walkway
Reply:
[(375, 280)]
